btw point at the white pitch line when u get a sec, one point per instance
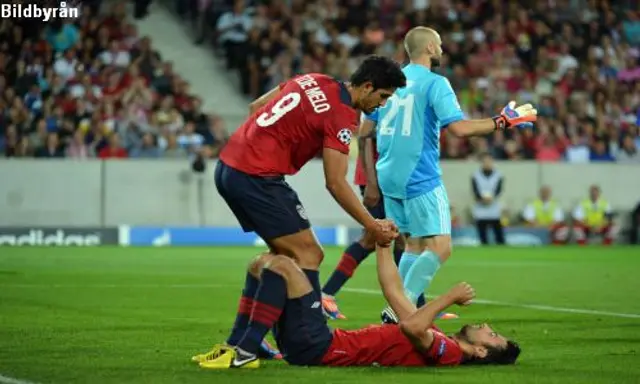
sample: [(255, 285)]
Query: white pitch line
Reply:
[(539, 307), (10, 380), (548, 308)]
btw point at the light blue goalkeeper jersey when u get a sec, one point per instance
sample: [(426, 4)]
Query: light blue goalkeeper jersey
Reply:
[(408, 133)]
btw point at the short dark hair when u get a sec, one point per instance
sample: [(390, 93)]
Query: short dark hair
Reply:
[(381, 71), (498, 356)]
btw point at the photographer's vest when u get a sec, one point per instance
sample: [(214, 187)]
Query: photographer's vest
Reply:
[(545, 214), (487, 185), (594, 214)]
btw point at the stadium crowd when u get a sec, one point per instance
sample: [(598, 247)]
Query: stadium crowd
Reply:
[(577, 60), (92, 87)]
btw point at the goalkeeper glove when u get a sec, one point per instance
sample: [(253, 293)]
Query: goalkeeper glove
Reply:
[(522, 116)]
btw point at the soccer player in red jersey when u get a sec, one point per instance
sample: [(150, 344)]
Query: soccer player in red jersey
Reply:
[(289, 126), (305, 339)]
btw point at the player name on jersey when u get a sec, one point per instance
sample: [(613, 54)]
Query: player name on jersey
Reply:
[(317, 98), (308, 113)]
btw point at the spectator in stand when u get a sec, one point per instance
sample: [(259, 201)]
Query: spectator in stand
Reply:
[(578, 150), (171, 149), (11, 141), (233, 29), (147, 149), (599, 152), (117, 55), (629, 152), (548, 150), (141, 8), (62, 35), (77, 148), (190, 140), (66, 65), (113, 150), (51, 147)]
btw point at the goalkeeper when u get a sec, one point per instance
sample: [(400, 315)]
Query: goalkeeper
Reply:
[(408, 140)]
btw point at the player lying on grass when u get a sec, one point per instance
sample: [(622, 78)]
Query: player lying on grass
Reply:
[(305, 339)]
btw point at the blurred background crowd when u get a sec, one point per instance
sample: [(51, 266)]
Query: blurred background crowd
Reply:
[(578, 61), (93, 87)]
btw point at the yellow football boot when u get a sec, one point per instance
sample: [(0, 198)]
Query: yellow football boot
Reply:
[(229, 358), (212, 354)]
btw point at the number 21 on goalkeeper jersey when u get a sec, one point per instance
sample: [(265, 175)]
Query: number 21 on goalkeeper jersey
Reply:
[(408, 133)]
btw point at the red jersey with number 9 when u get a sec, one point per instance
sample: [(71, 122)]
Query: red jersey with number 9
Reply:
[(311, 112)]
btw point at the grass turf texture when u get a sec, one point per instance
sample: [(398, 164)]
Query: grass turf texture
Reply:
[(127, 315)]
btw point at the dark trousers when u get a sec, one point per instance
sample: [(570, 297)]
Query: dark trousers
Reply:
[(483, 229), (237, 59), (140, 8), (635, 225)]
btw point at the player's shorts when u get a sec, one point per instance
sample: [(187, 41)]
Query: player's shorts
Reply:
[(378, 210), (302, 333), (420, 216), (265, 205)]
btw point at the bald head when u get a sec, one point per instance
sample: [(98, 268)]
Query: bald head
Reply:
[(421, 41)]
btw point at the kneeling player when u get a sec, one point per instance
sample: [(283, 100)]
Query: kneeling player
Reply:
[(305, 339), (289, 126)]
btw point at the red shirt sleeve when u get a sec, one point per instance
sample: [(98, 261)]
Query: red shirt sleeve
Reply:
[(444, 350), (338, 133)]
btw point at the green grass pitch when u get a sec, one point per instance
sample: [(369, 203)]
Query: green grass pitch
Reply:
[(137, 315)]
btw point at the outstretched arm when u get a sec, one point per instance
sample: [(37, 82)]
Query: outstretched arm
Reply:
[(415, 324), (446, 107), (509, 117), (391, 284)]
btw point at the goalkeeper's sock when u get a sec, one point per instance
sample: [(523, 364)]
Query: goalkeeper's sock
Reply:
[(397, 257), (244, 309), (420, 275), (267, 308), (406, 261)]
